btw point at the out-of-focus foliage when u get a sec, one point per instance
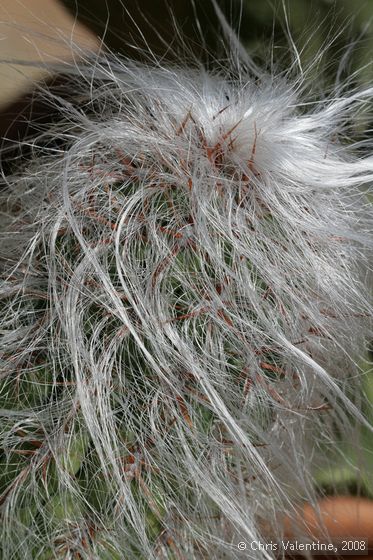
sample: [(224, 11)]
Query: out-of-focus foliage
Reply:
[(349, 466), (343, 27)]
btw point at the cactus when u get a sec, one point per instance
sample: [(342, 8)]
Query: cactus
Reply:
[(184, 298)]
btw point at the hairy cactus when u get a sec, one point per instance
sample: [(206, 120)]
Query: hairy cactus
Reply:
[(184, 298)]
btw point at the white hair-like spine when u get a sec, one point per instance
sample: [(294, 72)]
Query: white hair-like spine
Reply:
[(185, 295)]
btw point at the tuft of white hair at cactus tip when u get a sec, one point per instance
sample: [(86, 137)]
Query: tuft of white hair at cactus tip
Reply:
[(185, 297)]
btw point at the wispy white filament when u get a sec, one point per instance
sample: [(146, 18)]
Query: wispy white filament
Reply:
[(185, 294)]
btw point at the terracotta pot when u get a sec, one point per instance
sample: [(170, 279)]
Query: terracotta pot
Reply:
[(341, 518)]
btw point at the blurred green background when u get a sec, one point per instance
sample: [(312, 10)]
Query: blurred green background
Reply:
[(343, 27)]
